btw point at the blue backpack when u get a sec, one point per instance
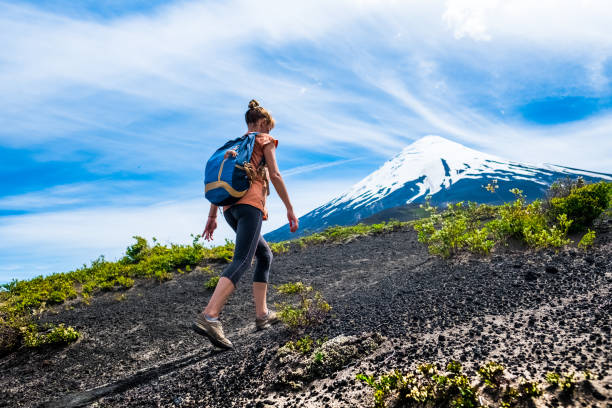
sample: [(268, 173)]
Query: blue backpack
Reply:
[(226, 180)]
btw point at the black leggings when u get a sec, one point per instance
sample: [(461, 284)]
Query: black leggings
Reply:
[(246, 221)]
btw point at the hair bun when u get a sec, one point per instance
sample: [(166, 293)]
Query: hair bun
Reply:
[(253, 104)]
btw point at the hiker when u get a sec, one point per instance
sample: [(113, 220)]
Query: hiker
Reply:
[(245, 218)]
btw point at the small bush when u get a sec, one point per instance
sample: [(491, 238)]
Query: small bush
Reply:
[(587, 240), (211, 284), (278, 247), (338, 233), (565, 382), (138, 251), (455, 229), (491, 374), (582, 203), (529, 389), (58, 335), (537, 224), (293, 287), (426, 386), (311, 310), (318, 358), (304, 345)]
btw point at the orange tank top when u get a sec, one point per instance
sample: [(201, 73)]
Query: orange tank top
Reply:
[(256, 194)]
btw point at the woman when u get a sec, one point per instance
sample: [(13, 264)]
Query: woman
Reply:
[(245, 218)]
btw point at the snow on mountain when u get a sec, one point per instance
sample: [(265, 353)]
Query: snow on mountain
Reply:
[(433, 165)]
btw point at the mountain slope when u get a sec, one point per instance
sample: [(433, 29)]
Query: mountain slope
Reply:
[(531, 311), (433, 165)]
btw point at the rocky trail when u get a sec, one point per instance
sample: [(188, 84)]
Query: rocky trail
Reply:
[(393, 306)]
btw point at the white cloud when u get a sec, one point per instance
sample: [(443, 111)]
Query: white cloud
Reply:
[(201, 58), (467, 18)]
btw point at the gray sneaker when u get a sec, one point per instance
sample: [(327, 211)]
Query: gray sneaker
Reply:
[(270, 319), (212, 330)]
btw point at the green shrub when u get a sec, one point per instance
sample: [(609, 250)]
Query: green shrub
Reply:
[(311, 310), (58, 335), (424, 387), (138, 251), (491, 374), (318, 358), (211, 284), (343, 233), (587, 240), (304, 345), (538, 225), (455, 229), (565, 382), (221, 253), (529, 389), (292, 287), (124, 282), (22, 298), (279, 247), (581, 203)]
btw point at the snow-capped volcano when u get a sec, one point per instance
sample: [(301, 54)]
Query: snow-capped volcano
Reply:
[(446, 170)]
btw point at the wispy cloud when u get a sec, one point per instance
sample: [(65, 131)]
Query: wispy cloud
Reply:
[(317, 166), (145, 97)]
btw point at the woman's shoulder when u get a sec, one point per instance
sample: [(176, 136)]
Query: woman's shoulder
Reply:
[(265, 139)]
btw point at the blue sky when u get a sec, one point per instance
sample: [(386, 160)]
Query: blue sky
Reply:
[(111, 108)]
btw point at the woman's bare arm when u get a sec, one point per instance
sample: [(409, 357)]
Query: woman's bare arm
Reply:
[(279, 184)]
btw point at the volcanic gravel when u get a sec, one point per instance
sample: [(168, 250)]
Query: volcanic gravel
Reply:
[(533, 311)]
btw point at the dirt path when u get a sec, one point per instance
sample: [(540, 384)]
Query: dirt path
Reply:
[(532, 311)]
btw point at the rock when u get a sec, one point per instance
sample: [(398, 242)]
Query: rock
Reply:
[(551, 269), (292, 369), (531, 276)]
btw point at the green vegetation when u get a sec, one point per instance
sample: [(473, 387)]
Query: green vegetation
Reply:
[(581, 202), (427, 386), (311, 310), (278, 247), (587, 240), (565, 382), (423, 387), (337, 234), (530, 389), (211, 284), (569, 207), (457, 228), (491, 374), (304, 345), (57, 335), (292, 287), (21, 301)]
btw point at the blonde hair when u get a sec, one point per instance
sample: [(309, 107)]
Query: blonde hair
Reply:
[(256, 113)]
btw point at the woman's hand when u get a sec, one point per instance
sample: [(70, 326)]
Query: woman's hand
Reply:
[(229, 153), (211, 225), (293, 221)]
